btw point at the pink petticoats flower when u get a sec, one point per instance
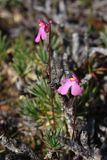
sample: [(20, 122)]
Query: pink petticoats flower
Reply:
[(70, 83), (44, 28)]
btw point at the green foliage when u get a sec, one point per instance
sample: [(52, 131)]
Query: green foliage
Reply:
[(42, 54), (44, 101), (51, 139), (3, 46), (9, 3), (22, 60), (89, 92), (29, 108), (56, 44), (104, 36), (42, 92)]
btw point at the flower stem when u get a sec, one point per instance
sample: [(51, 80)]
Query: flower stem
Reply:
[(50, 53), (53, 111), (49, 71), (74, 119)]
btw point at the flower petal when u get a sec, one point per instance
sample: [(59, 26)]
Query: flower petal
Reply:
[(37, 38), (64, 88), (43, 33), (76, 90), (64, 81)]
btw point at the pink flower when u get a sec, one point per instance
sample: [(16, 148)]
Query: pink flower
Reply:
[(42, 31), (72, 83), (44, 28)]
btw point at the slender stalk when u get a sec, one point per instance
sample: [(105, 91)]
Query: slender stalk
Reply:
[(53, 111), (50, 53), (74, 118), (49, 70)]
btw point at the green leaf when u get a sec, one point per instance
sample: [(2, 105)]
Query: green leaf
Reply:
[(56, 44), (3, 46), (42, 54), (22, 60), (51, 139), (40, 89), (30, 108), (104, 36)]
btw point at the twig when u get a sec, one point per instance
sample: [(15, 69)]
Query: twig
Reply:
[(97, 50)]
